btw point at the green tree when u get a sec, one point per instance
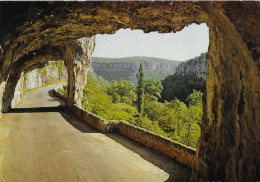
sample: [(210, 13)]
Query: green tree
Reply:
[(175, 119), (122, 91), (140, 89), (153, 87), (181, 86), (181, 110), (195, 98)]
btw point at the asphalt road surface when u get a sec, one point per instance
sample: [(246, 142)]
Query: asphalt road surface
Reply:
[(39, 141)]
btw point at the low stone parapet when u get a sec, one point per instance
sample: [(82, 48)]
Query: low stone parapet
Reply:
[(171, 148), (99, 123), (59, 95)]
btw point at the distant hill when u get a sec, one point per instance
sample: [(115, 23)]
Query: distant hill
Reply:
[(126, 68), (156, 68), (135, 59)]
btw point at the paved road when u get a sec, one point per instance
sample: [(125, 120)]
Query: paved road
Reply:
[(41, 142)]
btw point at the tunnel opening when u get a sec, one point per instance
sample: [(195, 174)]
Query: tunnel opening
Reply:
[(32, 78), (172, 102), (53, 73)]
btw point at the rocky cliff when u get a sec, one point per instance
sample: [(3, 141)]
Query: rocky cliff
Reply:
[(196, 66), (54, 71), (126, 68)]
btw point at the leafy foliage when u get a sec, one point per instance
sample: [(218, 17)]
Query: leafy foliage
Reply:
[(157, 74), (153, 87), (63, 90), (117, 101), (122, 92), (140, 89), (177, 86)]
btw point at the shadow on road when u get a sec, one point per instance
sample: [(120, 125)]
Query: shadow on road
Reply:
[(35, 109), (71, 118), (176, 171), (75, 122)]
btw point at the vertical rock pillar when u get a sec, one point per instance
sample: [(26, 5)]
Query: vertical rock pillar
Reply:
[(229, 143), (77, 60), (2, 88), (8, 94), (14, 75)]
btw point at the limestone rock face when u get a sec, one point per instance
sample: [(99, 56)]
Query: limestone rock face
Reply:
[(158, 70), (48, 74), (2, 88), (18, 93), (128, 70), (34, 79), (54, 71), (198, 67), (77, 61), (228, 148)]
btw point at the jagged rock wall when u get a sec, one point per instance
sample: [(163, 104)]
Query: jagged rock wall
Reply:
[(53, 72), (158, 70), (228, 147), (33, 79), (37, 61), (77, 62), (19, 91), (2, 89), (197, 66), (128, 70)]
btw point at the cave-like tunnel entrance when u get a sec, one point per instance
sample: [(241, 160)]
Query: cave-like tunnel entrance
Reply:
[(228, 148), (174, 66)]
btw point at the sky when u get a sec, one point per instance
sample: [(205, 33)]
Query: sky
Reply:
[(181, 46)]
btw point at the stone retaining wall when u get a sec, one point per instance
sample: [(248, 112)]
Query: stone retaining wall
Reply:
[(178, 151), (173, 149), (100, 124)]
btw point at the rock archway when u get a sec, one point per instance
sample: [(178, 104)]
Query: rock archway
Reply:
[(229, 144)]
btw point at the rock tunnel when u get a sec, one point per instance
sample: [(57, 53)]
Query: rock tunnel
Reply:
[(33, 33)]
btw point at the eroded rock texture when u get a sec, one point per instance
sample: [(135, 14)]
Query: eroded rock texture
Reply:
[(78, 62), (55, 71), (197, 66), (229, 144), (128, 70), (18, 92), (30, 61)]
